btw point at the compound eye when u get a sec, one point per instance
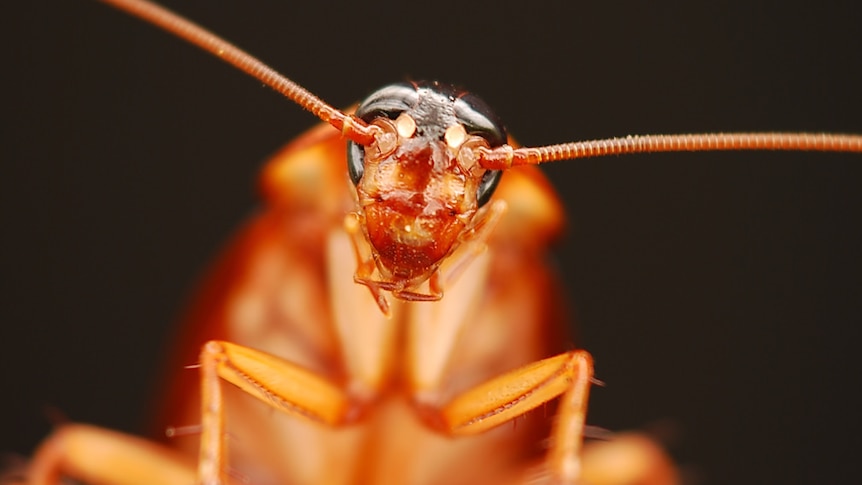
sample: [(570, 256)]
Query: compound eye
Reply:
[(489, 183), (478, 119), (355, 161), (388, 102)]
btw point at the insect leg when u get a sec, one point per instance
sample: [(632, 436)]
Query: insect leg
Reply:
[(510, 395), (365, 267), (95, 455), (476, 239), (281, 384)]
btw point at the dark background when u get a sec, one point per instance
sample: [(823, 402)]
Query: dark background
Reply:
[(720, 294)]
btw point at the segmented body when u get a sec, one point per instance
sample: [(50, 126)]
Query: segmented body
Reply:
[(286, 283)]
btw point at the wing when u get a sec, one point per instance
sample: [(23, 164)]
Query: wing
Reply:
[(268, 289)]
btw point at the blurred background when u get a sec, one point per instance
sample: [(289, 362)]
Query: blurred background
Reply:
[(719, 293)]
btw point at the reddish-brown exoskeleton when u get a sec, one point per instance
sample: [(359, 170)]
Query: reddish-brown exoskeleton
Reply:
[(383, 384)]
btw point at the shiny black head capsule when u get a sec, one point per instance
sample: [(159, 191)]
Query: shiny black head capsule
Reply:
[(434, 107)]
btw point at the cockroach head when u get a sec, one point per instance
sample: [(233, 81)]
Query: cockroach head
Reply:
[(420, 185)]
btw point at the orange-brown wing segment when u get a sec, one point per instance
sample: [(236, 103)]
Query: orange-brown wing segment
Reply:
[(267, 290)]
